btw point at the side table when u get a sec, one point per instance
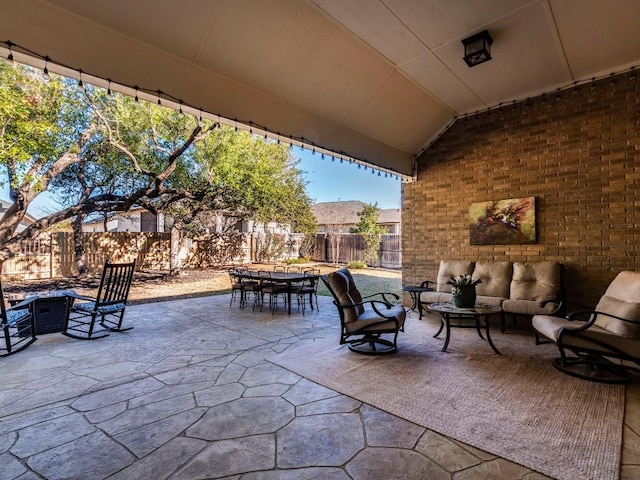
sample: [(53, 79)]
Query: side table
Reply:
[(414, 292), (448, 312)]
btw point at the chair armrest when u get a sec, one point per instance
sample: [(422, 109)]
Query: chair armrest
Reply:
[(72, 294), (426, 285), (387, 305), (559, 307), (384, 296), (357, 304), (26, 303)]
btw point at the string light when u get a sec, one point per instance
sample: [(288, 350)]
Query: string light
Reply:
[(10, 56), (80, 84), (303, 142), (45, 72)]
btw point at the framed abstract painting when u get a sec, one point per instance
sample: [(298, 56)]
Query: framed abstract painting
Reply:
[(503, 222)]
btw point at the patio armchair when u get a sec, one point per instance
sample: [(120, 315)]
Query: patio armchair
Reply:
[(364, 320), (18, 326), (107, 307), (605, 342)]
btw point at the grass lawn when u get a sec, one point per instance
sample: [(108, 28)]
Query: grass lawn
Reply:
[(374, 281)]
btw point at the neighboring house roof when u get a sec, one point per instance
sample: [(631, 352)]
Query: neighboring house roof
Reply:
[(27, 220), (346, 213)]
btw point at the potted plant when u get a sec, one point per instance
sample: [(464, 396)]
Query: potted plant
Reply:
[(464, 290)]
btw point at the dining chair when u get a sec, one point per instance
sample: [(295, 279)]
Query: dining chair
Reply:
[(272, 288), (236, 285), (309, 289), (107, 308)]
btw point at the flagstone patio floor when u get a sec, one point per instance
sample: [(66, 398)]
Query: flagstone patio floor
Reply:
[(189, 393)]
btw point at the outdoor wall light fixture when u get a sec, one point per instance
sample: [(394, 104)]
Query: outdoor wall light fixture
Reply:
[(477, 48)]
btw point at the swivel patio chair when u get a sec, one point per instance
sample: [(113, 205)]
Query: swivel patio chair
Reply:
[(18, 326), (364, 320), (605, 342), (107, 307)]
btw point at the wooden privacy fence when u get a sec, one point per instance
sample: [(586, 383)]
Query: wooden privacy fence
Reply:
[(351, 248), (53, 255)]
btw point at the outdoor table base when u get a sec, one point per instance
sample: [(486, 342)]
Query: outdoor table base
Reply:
[(449, 312), (414, 292)]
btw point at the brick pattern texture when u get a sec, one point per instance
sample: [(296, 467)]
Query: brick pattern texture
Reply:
[(577, 151)]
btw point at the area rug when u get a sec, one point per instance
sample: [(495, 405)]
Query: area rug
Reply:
[(514, 405)]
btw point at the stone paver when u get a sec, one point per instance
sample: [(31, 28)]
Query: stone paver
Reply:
[(320, 440), (190, 393)]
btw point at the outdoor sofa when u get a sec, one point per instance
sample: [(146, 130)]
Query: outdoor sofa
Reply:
[(533, 288)]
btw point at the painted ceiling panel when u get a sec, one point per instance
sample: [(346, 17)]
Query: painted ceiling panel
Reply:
[(597, 35), (376, 79), (373, 22)]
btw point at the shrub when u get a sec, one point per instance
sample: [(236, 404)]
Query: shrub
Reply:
[(295, 261), (356, 265)]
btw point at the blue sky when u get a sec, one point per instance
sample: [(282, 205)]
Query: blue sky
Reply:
[(327, 182), (332, 181)]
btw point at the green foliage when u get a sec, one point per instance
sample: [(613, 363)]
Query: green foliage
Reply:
[(356, 265), (296, 261), (270, 247), (104, 154), (370, 230)]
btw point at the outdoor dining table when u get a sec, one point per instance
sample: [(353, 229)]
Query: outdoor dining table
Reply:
[(287, 278)]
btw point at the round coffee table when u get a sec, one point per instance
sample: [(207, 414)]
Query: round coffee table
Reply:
[(448, 312)]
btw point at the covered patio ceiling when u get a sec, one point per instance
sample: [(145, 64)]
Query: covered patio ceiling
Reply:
[(375, 80)]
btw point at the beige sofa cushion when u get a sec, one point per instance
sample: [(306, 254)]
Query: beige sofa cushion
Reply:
[(435, 297), (496, 278), (451, 268), (535, 281), (622, 299)]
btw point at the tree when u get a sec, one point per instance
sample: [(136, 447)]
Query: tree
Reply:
[(370, 230), (335, 230), (105, 154)]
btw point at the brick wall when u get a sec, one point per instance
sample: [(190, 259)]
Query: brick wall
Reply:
[(577, 151)]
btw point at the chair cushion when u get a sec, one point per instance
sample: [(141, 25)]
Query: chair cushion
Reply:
[(448, 269), (496, 278), (353, 290), (339, 285), (622, 299), (16, 316), (370, 319), (535, 281), (550, 327), (90, 307)]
